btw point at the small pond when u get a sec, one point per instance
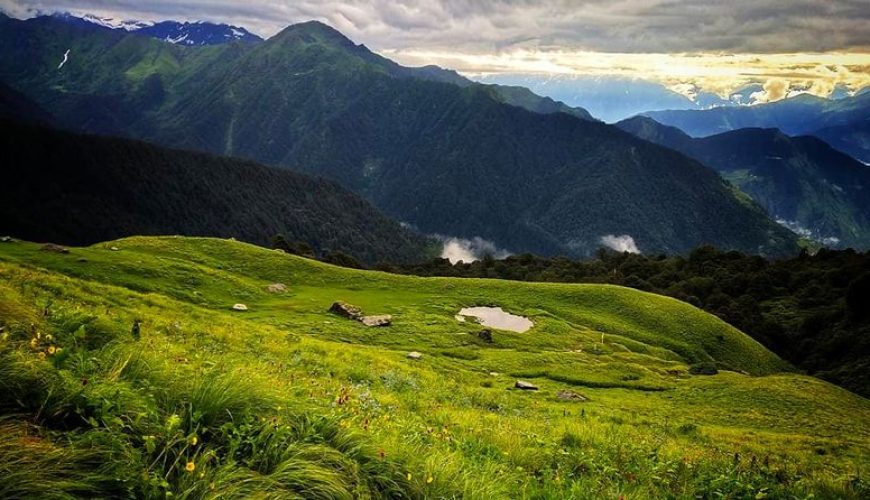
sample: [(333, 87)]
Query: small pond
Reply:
[(496, 317)]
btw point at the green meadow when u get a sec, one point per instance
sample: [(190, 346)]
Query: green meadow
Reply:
[(286, 400)]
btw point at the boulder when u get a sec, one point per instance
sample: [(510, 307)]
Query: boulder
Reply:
[(6, 239), (525, 386), (381, 320), (277, 288), (51, 247), (114, 249), (414, 355), (485, 335), (240, 307), (571, 396), (346, 310)]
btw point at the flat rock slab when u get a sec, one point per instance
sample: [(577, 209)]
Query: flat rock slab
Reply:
[(355, 313), (571, 396), (346, 310), (525, 386), (240, 307), (51, 247), (277, 288), (381, 320), (415, 355)]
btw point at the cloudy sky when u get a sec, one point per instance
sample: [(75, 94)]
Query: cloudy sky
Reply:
[(717, 45)]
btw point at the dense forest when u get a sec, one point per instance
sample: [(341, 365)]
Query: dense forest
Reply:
[(78, 190), (813, 310)]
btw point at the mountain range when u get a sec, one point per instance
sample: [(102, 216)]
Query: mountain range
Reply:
[(803, 182), (446, 158), (843, 123)]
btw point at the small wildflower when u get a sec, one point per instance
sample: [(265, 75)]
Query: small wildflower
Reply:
[(33, 343), (201, 475), (193, 440), (190, 467), (409, 476), (49, 337), (52, 349), (41, 355), (429, 480)]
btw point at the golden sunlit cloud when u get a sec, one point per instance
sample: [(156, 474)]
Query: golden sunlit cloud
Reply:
[(782, 75)]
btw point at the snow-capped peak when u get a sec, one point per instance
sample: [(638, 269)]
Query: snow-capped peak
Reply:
[(109, 22)]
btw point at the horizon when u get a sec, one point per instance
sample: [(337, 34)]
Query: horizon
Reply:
[(799, 51)]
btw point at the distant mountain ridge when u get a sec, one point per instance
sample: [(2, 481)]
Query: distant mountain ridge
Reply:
[(807, 185), (451, 159), (843, 123)]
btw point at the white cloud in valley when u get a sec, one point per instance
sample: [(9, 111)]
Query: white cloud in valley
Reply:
[(623, 243), (469, 250), (789, 47)]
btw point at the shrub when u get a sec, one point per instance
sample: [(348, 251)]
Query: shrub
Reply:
[(705, 368)]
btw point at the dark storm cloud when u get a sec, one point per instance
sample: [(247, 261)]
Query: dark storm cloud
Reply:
[(759, 26)]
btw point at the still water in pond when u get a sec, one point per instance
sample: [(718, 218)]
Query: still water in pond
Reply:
[(495, 317)]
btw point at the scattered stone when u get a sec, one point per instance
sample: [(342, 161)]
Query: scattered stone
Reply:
[(6, 239), (346, 310), (494, 374), (525, 386), (485, 335), (381, 320), (415, 355), (277, 288), (51, 247), (114, 249), (240, 307), (571, 396)]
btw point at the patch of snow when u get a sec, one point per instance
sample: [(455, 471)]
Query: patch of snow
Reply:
[(65, 59)]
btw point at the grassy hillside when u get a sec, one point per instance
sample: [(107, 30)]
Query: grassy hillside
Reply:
[(288, 400)]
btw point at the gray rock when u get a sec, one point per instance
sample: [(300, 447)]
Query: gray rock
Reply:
[(525, 386), (240, 307), (571, 396), (114, 249), (51, 247), (414, 355), (277, 288), (346, 310), (381, 320), (485, 335)]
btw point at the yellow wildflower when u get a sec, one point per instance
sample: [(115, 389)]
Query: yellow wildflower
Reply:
[(190, 467), (51, 349), (193, 441), (409, 476), (429, 480), (41, 355), (49, 337), (33, 342)]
